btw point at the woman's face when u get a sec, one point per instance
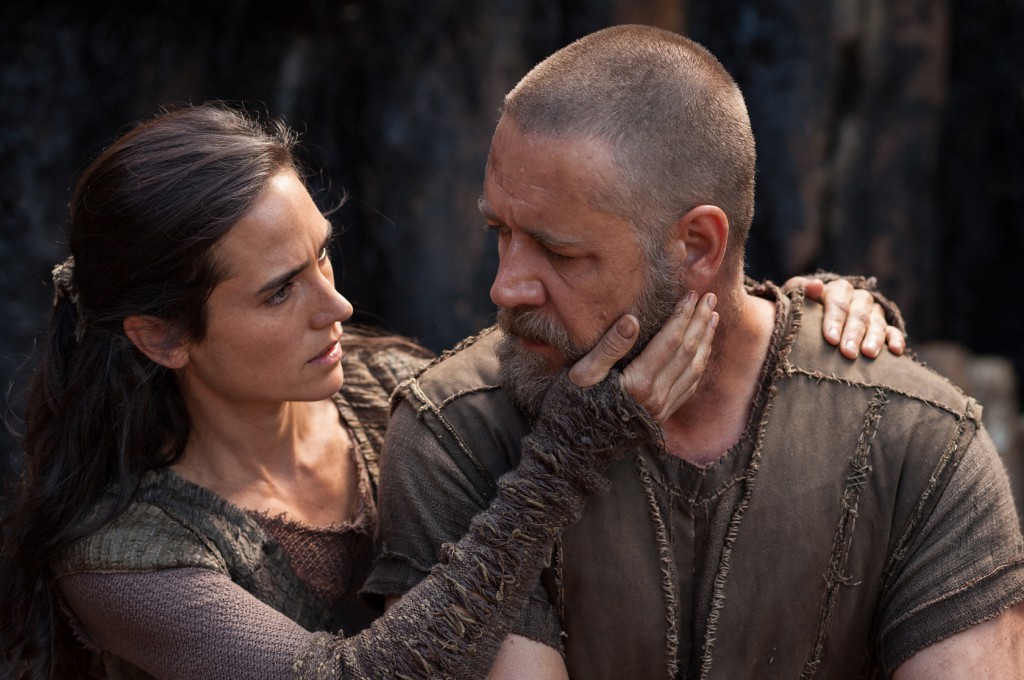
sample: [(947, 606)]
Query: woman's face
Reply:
[(275, 320)]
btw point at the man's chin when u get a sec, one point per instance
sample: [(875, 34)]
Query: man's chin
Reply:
[(526, 370)]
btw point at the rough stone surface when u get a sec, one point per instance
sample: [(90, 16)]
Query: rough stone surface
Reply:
[(891, 137)]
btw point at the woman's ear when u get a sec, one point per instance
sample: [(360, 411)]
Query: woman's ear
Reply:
[(699, 242), (158, 340)]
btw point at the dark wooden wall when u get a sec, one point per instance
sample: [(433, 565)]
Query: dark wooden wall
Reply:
[(890, 133)]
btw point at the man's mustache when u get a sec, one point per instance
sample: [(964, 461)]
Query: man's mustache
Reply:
[(531, 326)]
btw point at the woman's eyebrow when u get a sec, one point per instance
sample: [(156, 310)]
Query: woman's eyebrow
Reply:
[(279, 281)]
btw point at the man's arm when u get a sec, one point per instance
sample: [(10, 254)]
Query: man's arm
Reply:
[(521, 657), (967, 566), (993, 649), (676, 357)]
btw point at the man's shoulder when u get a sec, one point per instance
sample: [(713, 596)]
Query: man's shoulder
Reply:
[(376, 364), (903, 419), (470, 367), (810, 355), (458, 401)]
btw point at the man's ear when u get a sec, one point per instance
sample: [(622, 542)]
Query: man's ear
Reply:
[(158, 340), (698, 243)]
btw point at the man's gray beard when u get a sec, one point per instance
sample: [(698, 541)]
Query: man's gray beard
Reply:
[(526, 375)]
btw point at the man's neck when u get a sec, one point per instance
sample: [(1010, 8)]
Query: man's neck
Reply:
[(714, 418)]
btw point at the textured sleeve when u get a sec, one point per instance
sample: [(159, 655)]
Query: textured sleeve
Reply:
[(140, 538), (967, 563), (427, 500), (184, 623), (454, 621), (196, 623)]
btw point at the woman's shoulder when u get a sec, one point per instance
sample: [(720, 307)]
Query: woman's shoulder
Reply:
[(169, 523), (378, 362)]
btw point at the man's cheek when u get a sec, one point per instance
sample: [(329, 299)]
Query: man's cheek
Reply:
[(577, 348)]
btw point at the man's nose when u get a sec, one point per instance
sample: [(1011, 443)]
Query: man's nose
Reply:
[(518, 282)]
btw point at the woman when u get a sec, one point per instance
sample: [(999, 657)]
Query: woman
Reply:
[(202, 440)]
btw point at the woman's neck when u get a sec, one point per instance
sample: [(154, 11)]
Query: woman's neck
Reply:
[(293, 458)]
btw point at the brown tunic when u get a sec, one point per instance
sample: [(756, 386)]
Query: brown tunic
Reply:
[(310, 575), (862, 516), (163, 587)]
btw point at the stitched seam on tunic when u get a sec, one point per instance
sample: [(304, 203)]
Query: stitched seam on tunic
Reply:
[(844, 532), (428, 406), (965, 587), (828, 377), (704, 502), (670, 576), (899, 552), (1014, 600), (468, 391), (718, 590), (558, 563), (459, 346), (698, 499), (785, 345)]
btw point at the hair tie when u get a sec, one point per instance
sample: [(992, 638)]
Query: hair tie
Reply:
[(63, 288)]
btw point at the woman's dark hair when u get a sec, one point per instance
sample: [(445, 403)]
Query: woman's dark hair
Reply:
[(143, 221)]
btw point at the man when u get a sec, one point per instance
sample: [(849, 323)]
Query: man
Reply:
[(809, 516)]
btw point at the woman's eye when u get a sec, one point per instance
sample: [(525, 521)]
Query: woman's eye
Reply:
[(280, 295)]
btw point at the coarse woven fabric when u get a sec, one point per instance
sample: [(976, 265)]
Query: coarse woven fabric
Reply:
[(188, 620), (862, 516), (181, 624), (323, 557), (193, 622), (452, 624), (332, 561), (174, 524)]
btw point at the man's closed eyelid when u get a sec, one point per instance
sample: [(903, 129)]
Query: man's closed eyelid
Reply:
[(558, 256)]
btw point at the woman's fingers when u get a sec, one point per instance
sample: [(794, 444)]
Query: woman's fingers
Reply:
[(612, 346), (669, 369), (895, 340), (852, 319), (813, 288)]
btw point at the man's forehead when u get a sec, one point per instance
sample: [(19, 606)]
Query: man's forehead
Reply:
[(597, 177), (551, 236)]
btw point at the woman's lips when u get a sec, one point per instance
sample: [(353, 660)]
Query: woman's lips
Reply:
[(330, 355)]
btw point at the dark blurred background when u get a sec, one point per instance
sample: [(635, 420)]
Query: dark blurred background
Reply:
[(890, 137)]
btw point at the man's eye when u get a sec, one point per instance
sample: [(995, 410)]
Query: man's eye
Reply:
[(323, 254), (558, 257)]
